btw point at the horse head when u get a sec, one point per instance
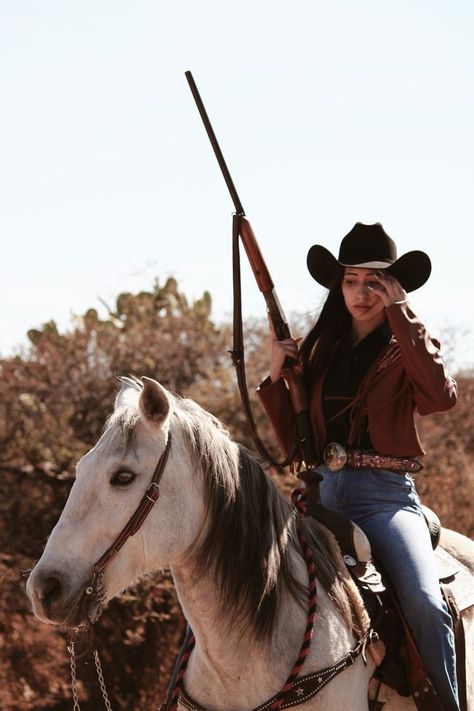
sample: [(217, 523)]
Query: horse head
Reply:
[(110, 482)]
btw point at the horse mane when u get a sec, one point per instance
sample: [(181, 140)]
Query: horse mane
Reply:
[(250, 528), (250, 532)]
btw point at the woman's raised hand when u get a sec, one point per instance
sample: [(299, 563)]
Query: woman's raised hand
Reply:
[(389, 290), (281, 350)]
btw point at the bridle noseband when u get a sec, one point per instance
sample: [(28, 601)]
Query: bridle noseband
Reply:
[(95, 588)]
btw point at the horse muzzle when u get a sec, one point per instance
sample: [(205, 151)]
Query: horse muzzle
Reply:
[(56, 601)]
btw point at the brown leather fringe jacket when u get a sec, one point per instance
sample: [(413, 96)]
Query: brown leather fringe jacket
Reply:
[(407, 377)]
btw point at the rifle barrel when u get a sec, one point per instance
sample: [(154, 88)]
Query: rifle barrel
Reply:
[(215, 144)]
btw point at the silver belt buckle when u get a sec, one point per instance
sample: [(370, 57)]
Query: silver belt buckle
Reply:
[(335, 456)]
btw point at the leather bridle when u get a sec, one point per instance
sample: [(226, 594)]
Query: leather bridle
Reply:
[(95, 587)]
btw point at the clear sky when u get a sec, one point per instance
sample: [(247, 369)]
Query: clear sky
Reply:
[(328, 112)]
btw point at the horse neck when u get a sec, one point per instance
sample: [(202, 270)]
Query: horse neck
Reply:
[(224, 660), (226, 657), (255, 521), (223, 653)]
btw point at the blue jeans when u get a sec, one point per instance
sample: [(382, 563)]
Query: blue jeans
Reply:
[(387, 508)]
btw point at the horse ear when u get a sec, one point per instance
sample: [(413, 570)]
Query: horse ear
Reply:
[(153, 403)]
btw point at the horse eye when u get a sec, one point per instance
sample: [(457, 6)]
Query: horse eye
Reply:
[(122, 478)]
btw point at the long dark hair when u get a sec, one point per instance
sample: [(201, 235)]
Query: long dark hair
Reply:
[(332, 324)]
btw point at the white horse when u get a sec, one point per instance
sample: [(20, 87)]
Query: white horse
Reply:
[(229, 537)]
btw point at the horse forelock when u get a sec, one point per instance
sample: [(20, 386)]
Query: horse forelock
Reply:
[(119, 428)]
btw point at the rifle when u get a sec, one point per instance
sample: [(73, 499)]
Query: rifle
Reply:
[(242, 230)]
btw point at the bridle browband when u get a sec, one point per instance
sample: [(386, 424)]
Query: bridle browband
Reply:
[(96, 588)]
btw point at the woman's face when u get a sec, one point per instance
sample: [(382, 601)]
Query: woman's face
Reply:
[(359, 289)]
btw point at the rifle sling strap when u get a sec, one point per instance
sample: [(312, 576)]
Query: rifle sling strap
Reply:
[(238, 355)]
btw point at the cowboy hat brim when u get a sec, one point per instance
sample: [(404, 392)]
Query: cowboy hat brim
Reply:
[(412, 269)]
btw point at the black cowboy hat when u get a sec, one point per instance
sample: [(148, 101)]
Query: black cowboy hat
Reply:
[(369, 247)]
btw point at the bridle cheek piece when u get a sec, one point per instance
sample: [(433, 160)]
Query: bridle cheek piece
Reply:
[(95, 588)]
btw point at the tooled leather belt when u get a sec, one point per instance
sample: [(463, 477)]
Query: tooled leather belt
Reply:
[(337, 457)]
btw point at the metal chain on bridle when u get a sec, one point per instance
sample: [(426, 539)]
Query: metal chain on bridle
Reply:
[(95, 590), (100, 676)]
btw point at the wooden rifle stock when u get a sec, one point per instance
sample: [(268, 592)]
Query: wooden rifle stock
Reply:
[(243, 230), (264, 280), (291, 371)]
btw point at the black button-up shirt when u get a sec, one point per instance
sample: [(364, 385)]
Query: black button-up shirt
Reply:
[(345, 374)]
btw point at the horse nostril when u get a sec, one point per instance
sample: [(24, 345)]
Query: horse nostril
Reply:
[(50, 591)]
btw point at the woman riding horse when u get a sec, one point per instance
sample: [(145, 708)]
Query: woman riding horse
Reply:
[(370, 365)]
